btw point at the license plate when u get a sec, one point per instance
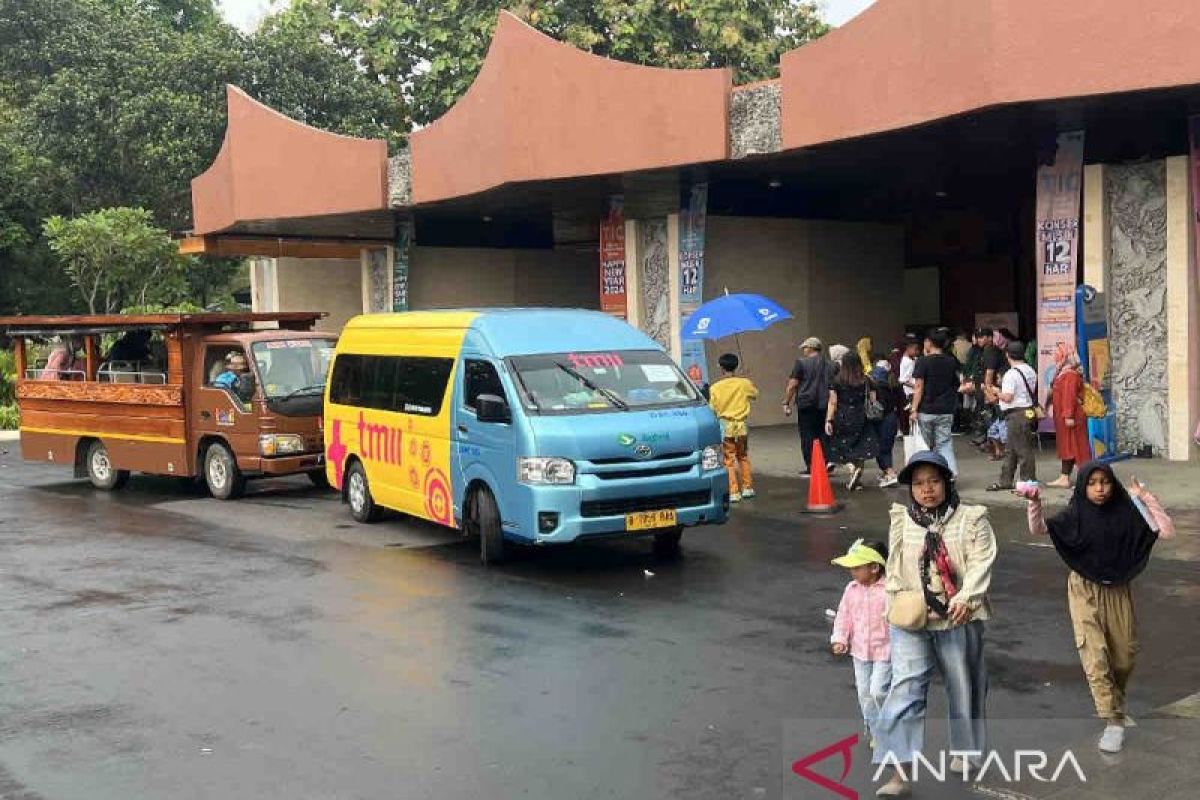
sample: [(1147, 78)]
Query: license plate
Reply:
[(649, 520)]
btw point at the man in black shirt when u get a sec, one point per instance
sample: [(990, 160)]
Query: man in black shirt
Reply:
[(935, 396), (808, 387)]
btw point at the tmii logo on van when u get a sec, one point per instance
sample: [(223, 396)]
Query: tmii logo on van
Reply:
[(626, 439)]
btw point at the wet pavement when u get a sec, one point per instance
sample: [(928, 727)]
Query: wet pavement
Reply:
[(157, 643)]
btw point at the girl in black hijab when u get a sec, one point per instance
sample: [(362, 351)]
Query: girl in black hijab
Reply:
[(1105, 536)]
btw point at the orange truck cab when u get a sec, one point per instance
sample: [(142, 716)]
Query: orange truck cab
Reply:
[(227, 397)]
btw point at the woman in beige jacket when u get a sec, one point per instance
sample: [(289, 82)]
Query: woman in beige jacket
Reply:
[(939, 568)]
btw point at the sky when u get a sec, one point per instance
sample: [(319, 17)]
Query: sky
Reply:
[(246, 14)]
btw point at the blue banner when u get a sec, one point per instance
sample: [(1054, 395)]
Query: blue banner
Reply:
[(691, 279)]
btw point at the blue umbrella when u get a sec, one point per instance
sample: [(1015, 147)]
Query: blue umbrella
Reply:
[(731, 314)]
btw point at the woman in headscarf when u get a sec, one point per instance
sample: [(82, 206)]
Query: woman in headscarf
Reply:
[(1070, 423), (1105, 536), (939, 571), (863, 348)]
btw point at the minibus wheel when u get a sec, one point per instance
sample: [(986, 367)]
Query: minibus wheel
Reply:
[(484, 521), (358, 495), (225, 480), (666, 543), (101, 471)]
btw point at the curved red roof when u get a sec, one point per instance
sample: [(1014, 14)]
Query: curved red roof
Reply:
[(907, 62), (272, 167), (540, 109)]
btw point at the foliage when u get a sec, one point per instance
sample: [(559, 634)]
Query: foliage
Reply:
[(427, 52), (116, 257), (10, 418), (8, 377)]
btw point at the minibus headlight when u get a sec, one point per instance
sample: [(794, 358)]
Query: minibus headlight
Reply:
[(711, 457), (275, 444), (538, 469)]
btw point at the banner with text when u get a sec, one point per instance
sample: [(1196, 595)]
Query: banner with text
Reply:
[(404, 237), (613, 297), (691, 279), (1059, 187)]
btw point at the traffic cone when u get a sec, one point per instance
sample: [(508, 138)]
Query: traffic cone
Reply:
[(820, 490)]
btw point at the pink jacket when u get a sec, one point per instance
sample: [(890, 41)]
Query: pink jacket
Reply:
[(861, 621)]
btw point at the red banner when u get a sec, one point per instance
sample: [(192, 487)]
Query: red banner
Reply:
[(613, 299), (1059, 187)]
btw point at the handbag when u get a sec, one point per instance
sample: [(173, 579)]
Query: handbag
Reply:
[(1093, 403), (874, 408), (1035, 412), (908, 610)]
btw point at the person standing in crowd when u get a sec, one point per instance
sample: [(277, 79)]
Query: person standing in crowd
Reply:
[(908, 363), (730, 398), (939, 571), (1017, 397), (891, 399), (808, 390), (935, 396), (1105, 538), (852, 439), (962, 348), (836, 351), (1070, 423)]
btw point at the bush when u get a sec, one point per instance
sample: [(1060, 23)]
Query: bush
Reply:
[(8, 378), (10, 418)]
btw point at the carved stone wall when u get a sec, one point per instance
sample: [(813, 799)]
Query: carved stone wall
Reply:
[(379, 282), (1137, 266), (655, 282)]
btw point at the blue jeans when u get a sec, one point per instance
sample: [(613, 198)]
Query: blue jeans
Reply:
[(957, 654), (872, 679), (935, 430), (886, 429)]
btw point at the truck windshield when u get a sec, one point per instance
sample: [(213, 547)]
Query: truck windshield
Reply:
[(577, 383), (293, 367)]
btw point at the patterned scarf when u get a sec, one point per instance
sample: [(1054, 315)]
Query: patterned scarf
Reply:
[(934, 555)]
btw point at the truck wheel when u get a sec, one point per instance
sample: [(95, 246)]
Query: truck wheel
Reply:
[(319, 479), (225, 481), (666, 543), (101, 471), (358, 495), (483, 520)]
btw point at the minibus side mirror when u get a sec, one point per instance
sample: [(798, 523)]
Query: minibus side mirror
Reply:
[(490, 408)]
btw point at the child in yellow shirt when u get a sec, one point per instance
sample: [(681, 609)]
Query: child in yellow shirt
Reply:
[(730, 398)]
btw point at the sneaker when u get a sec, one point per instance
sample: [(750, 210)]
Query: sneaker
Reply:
[(735, 498), (888, 481), (748, 493), (1113, 739), (855, 479), (805, 475), (896, 787), (959, 766)]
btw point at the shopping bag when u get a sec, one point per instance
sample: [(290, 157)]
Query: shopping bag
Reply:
[(913, 444)]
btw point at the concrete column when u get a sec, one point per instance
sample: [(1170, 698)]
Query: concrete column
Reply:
[(1183, 325), (376, 277), (673, 279), (264, 287), (1095, 226), (633, 275)]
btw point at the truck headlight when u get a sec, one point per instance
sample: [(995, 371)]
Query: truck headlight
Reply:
[(280, 444), (710, 458), (542, 470)]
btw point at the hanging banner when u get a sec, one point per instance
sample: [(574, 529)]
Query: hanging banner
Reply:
[(613, 299), (691, 279), (1059, 187), (404, 233)]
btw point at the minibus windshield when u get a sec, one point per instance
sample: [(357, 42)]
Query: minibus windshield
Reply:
[(621, 380)]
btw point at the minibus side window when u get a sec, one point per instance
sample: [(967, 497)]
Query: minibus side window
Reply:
[(480, 377), (408, 384)]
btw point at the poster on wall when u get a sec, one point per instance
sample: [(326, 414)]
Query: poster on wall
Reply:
[(613, 297), (404, 232), (691, 279), (1059, 188)]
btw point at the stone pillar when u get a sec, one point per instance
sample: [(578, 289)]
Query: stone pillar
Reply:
[(376, 266), (633, 282), (1095, 227), (1137, 311), (654, 280), (673, 279), (1183, 327), (264, 286)]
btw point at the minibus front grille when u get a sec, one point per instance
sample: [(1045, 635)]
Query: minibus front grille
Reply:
[(632, 460), (653, 472), (630, 505)]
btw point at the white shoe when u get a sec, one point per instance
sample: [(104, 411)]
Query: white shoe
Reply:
[(888, 481), (735, 498), (748, 493), (855, 479), (959, 765), (896, 787), (1113, 739)]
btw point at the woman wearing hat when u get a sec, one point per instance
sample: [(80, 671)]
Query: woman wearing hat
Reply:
[(939, 570)]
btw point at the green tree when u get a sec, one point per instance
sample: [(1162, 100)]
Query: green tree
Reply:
[(116, 257), (427, 52)]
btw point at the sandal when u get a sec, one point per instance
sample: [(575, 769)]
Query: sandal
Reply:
[(996, 487)]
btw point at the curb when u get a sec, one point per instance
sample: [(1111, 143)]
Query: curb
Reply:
[(9, 436)]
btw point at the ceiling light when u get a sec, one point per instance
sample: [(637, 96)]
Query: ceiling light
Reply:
[(774, 183)]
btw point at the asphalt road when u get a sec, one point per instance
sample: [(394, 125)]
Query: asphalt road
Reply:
[(155, 643)]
